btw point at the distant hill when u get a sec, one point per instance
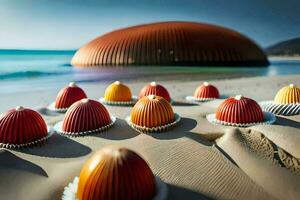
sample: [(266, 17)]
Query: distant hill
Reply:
[(285, 48)]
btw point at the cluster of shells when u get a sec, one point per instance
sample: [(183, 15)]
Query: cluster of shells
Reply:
[(152, 112)]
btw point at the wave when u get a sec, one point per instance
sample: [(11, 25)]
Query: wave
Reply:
[(26, 74)]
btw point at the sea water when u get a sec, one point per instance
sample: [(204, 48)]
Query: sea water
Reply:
[(38, 70)]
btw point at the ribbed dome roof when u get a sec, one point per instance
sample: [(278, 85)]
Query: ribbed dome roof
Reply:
[(170, 43)]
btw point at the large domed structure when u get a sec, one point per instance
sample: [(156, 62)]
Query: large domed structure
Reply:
[(171, 43)]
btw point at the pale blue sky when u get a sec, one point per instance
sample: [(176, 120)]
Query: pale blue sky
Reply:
[(68, 24)]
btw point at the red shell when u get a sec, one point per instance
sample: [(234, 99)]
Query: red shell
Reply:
[(85, 115), (155, 89), (21, 126), (69, 95), (206, 91), (239, 110), (116, 174)]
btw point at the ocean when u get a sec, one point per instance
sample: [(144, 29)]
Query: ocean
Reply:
[(37, 70)]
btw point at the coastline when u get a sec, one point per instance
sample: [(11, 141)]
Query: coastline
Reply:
[(285, 58), (187, 158)]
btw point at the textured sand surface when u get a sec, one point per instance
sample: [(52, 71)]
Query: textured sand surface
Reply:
[(242, 164)]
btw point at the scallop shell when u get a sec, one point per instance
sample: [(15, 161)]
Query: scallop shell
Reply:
[(85, 115), (155, 89), (281, 109), (152, 111), (288, 95), (22, 127), (117, 92), (116, 173), (68, 95), (240, 110), (206, 91)]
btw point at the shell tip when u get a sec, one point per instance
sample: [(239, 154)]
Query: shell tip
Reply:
[(238, 97), (117, 82), (153, 83), (151, 96), (205, 83), (292, 85), (72, 84), (19, 108), (84, 100)]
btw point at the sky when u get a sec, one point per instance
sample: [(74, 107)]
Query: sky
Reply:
[(69, 24)]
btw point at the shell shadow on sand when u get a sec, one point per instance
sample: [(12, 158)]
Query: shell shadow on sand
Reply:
[(10, 161), (287, 122), (113, 133), (183, 129), (58, 146)]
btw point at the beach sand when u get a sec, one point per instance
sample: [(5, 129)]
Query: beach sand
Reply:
[(197, 160)]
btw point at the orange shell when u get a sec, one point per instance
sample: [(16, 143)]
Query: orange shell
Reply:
[(85, 115), (240, 110), (116, 174), (171, 43), (152, 111), (288, 94), (155, 89), (69, 95), (117, 92), (22, 126), (206, 91)]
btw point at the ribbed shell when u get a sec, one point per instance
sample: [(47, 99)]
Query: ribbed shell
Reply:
[(85, 115), (22, 126), (156, 89), (69, 95), (116, 174), (152, 112), (288, 95), (241, 111), (170, 43), (206, 91), (117, 92)]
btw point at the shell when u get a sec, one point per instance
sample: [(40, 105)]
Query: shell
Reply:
[(85, 115), (117, 92), (152, 111), (155, 89), (288, 95), (206, 91), (239, 109), (171, 43), (69, 95), (116, 173), (22, 126)]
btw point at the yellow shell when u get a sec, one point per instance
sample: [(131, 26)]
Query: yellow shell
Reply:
[(117, 92), (288, 94)]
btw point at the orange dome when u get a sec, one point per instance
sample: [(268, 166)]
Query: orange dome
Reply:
[(288, 95), (155, 89), (21, 126), (116, 173), (69, 95), (239, 109), (85, 115), (171, 43), (206, 91), (152, 111), (117, 92)]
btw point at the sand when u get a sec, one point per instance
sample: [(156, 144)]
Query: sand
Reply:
[(197, 160)]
